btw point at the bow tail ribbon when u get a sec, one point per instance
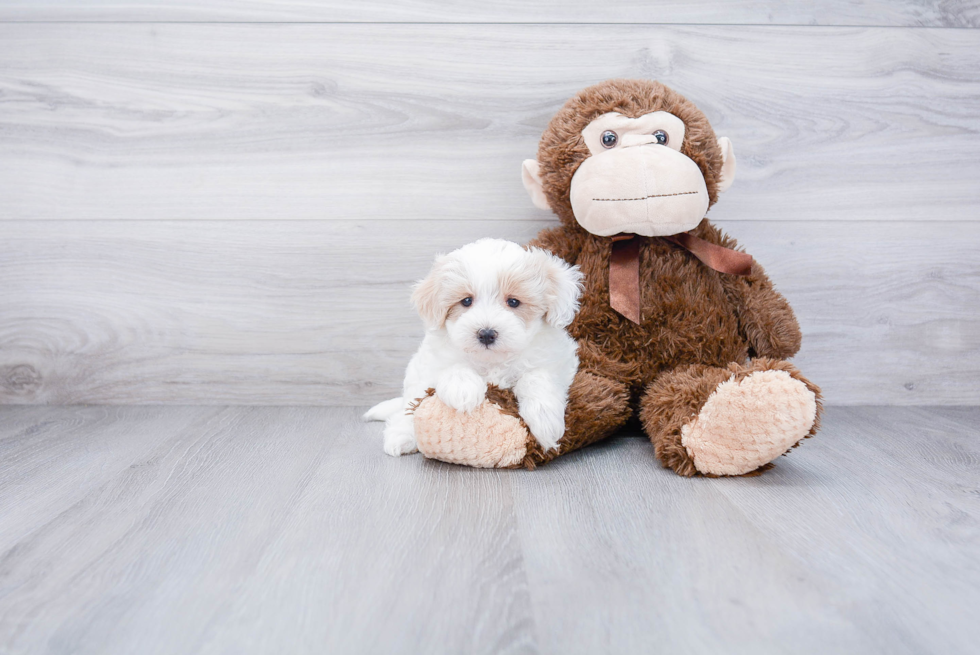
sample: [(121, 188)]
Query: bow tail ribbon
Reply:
[(624, 267), (719, 258), (624, 276)]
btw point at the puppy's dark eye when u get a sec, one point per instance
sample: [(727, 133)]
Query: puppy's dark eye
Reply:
[(466, 302), (609, 139), (513, 302), (661, 137)]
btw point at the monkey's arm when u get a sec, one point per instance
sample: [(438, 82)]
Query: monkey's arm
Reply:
[(766, 319), (559, 241), (765, 316)]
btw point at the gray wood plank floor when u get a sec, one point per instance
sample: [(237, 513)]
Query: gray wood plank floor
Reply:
[(287, 530)]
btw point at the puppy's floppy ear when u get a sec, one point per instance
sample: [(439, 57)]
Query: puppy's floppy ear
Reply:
[(564, 286), (427, 296)]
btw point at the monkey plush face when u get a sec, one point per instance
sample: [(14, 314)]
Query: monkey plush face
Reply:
[(630, 157), (636, 180)]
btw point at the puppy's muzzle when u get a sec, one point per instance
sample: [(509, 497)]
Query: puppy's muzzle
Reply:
[(486, 336)]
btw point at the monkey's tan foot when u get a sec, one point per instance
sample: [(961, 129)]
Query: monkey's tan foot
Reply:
[(745, 424), (487, 437), (731, 421), (494, 436)]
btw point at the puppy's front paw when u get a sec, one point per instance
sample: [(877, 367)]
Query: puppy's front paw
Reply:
[(463, 390), (399, 441), (546, 421)]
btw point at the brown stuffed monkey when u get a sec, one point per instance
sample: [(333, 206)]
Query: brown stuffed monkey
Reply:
[(676, 326)]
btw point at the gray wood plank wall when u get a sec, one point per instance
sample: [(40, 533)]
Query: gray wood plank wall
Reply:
[(222, 202), (899, 13)]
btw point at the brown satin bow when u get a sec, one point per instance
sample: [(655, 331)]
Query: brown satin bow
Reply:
[(624, 267)]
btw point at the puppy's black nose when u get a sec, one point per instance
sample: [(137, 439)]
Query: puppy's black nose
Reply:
[(486, 336)]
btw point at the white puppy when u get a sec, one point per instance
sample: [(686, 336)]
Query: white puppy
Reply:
[(495, 313)]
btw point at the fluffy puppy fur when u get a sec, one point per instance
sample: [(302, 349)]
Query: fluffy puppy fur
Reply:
[(495, 313)]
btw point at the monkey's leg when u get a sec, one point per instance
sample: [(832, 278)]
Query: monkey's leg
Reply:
[(597, 407), (729, 421), (495, 436)]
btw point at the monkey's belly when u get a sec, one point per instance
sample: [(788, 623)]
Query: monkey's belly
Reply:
[(674, 340), (668, 337), (686, 315)]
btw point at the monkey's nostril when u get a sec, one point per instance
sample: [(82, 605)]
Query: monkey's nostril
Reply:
[(486, 336)]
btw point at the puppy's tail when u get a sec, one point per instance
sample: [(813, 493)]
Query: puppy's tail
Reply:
[(382, 411)]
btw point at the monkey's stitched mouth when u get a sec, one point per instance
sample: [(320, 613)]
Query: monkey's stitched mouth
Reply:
[(656, 195)]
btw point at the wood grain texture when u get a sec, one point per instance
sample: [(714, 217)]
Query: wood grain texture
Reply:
[(317, 312), (786, 562), (253, 530), (61, 457), (924, 462), (358, 122), (271, 530), (922, 13)]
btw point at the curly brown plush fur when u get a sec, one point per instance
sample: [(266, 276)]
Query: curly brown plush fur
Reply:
[(704, 368), (699, 326)]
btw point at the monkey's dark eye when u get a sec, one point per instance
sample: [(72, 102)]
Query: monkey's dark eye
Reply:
[(661, 137), (513, 302), (466, 302), (609, 139)]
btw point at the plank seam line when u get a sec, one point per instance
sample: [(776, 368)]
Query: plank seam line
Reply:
[(477, 24)]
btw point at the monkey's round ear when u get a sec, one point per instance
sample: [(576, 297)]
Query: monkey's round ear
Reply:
[(531, 177), (727, 175)]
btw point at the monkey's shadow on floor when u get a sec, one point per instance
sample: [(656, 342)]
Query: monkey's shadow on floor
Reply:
[(785, 473)]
